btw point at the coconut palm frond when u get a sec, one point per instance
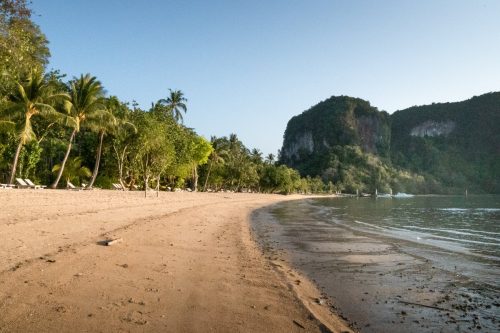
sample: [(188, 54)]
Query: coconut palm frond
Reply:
[(13, 112), (101, 119), (56, 168), (84, 102), (50, 113), (128, 125), (6, 125), (73, 169), (19, 95), (60, 97), (175, 104)]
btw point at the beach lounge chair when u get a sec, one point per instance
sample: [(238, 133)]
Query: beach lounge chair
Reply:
[(70, 186), (117, 186), (6, 186), (21, 183), (32, 185)]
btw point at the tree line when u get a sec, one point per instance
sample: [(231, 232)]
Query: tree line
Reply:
[(57, 131)]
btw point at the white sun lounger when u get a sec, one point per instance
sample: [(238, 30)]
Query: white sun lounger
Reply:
[(21, 183), (73, 187), (32, 185)]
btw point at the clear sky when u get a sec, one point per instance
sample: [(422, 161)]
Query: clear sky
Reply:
[(247, 67)]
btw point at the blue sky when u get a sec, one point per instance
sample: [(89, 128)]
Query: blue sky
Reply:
[(247, 67)]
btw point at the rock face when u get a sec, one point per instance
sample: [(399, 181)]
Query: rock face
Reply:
[(452, 146), (433, 128), (373, 133), (337, 121), (303, 142)]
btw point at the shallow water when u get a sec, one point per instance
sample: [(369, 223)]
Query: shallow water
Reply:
[(466, 227), (419, 264)]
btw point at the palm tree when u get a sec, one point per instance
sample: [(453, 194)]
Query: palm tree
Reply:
[(103, 123), (256, 156), (234, 142), (73, 170), (31, 97), (270, 158), (217, 157), (176, 103), (84, 105)]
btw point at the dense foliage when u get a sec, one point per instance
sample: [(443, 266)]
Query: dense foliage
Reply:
[(60, 132), (23, 47), (438, 148), (468, 157)]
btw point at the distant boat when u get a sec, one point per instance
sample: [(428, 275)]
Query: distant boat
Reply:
[(403, 195)]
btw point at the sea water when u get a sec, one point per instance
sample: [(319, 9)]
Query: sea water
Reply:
[(466, 227), (399, 264)]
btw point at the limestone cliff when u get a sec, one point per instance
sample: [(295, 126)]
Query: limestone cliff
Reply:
[(433, 128), (337, 121), (452, 146)]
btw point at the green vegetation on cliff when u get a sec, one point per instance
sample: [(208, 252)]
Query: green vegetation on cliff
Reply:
[(457, 144), (439, 148)]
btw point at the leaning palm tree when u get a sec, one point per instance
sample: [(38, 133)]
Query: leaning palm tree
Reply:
[(103, 123), (32, 96), (109, 122), (216, 157), (73, 170), (175, 103), (85, 104)]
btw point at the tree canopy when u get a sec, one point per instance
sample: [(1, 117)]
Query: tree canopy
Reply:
[(52, 129)]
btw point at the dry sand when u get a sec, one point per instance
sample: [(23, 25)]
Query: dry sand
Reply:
[(187, 262)]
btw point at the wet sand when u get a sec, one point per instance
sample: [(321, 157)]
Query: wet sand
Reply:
[(186, 262), (377, 283)]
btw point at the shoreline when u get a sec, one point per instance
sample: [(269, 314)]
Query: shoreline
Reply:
[(376, 283), (316, 301), (187, 262)]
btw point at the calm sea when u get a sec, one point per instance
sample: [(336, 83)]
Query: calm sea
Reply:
[(405, 264), (466, 226)]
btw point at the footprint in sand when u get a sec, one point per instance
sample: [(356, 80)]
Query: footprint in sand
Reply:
[(134, 317)]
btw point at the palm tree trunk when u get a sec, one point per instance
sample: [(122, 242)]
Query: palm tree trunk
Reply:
[(14, 164), (158, 186), (146, 180), (59, 175), (195, 178), (97, 160), (208, 175)]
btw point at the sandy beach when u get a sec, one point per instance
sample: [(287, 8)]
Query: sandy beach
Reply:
[(185, 262)]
